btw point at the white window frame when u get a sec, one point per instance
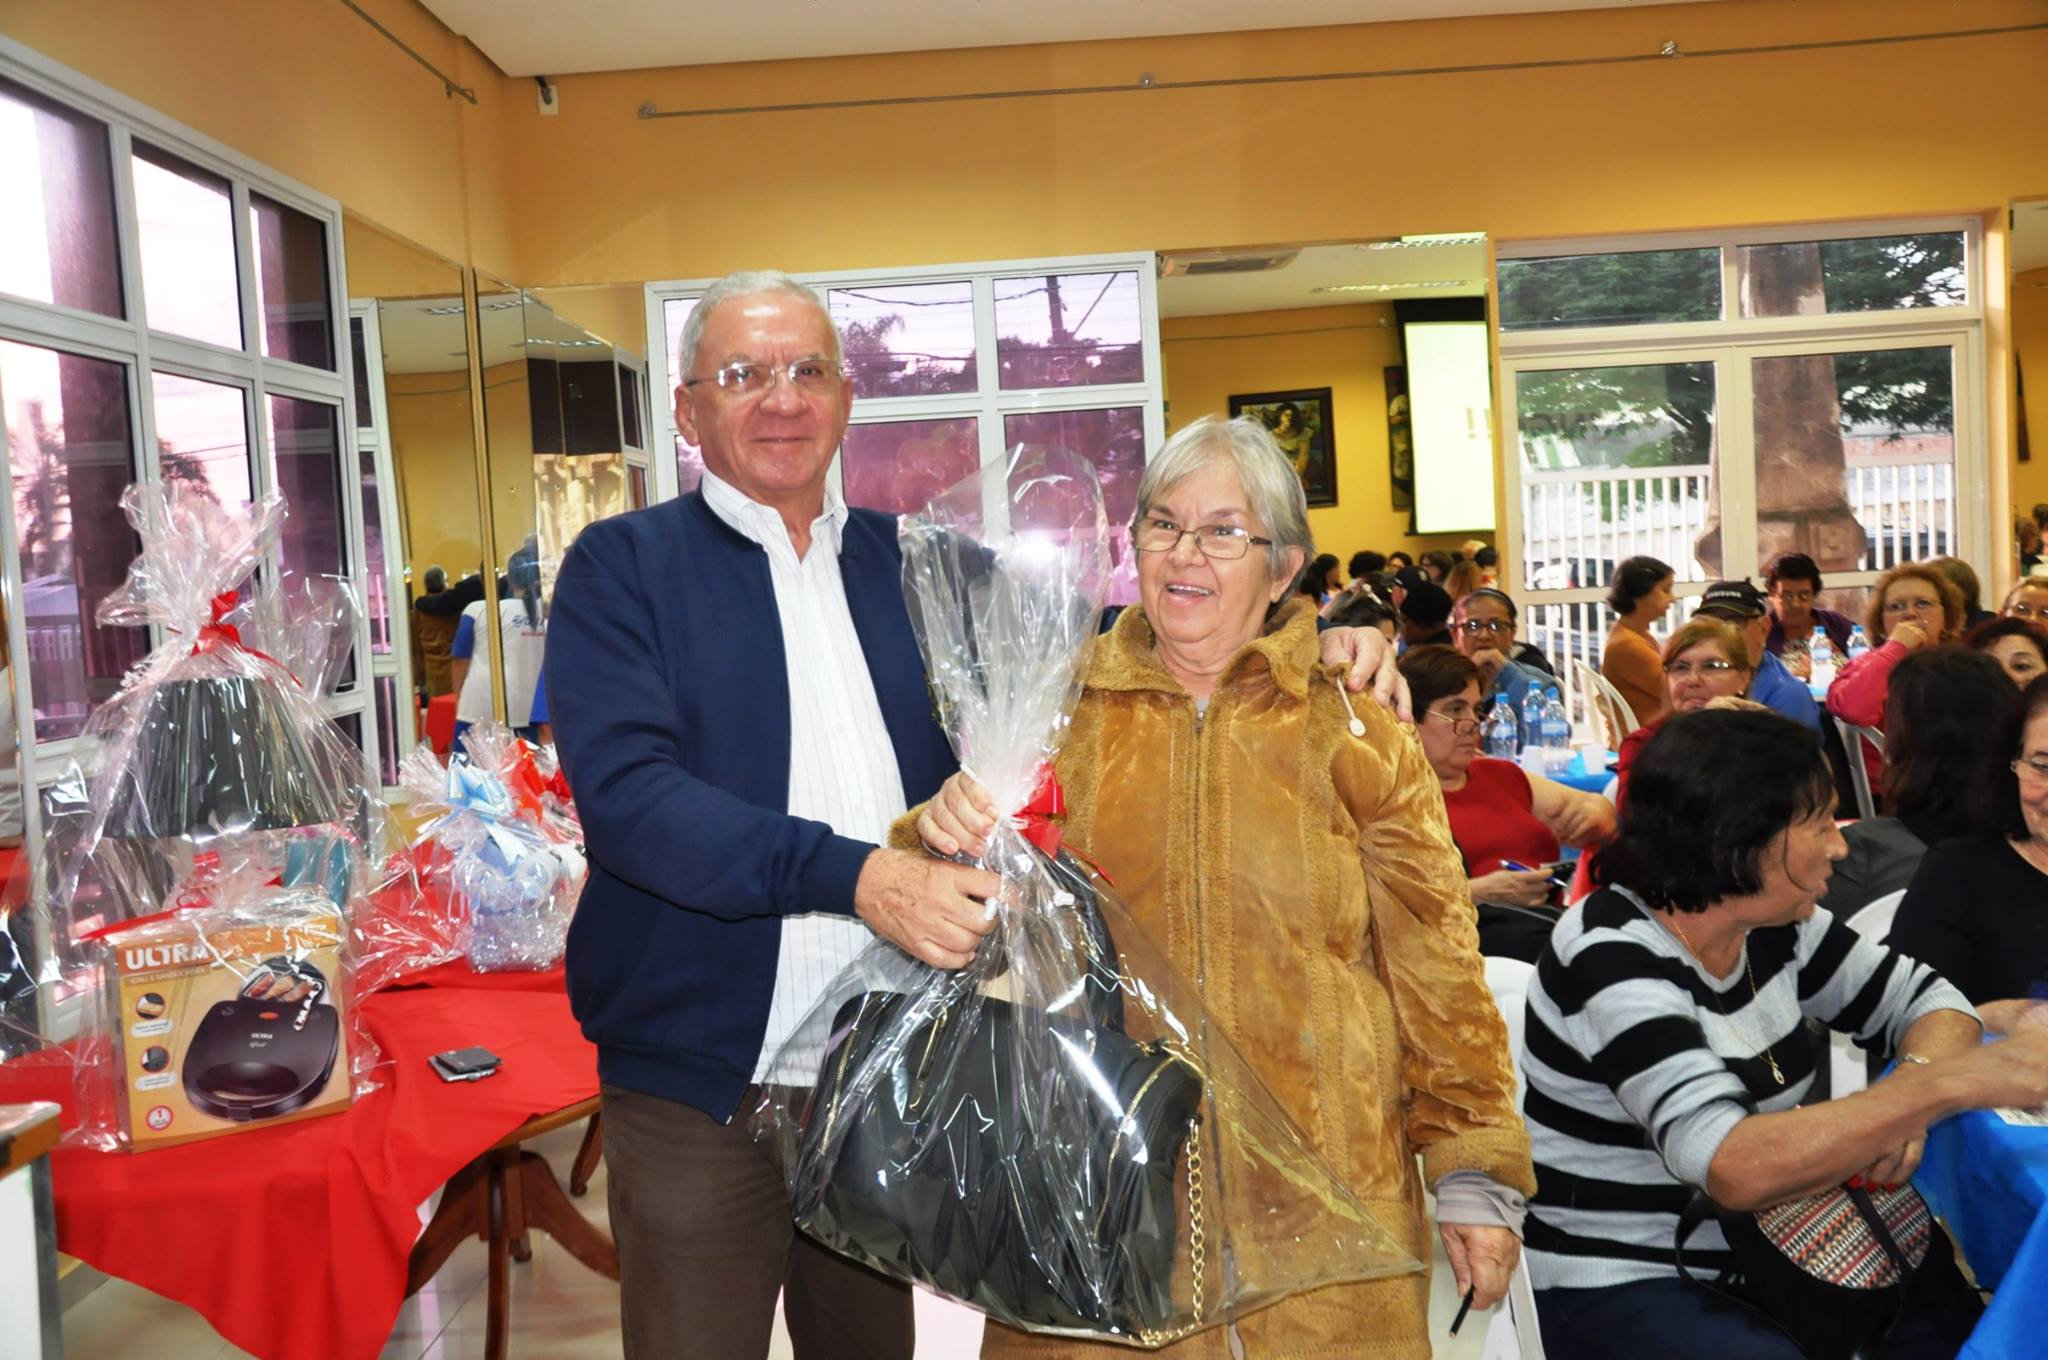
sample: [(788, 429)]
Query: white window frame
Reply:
[(988, 404), (375, 440), (130, 342)]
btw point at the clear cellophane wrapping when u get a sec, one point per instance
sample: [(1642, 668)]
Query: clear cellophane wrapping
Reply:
[(211, 770), (498, 841), (1055, 1134)]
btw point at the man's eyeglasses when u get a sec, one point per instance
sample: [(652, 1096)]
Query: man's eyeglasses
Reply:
[(1798, 599), (1495, 627), (1705, 669), (813, 377), (2032, 768), (1463, 725), (1226, 542), (1896, 609)]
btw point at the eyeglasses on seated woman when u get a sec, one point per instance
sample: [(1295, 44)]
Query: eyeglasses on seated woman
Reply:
[(1665, 1056)]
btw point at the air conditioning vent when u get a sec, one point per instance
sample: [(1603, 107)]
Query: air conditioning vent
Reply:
[(1192, 263)]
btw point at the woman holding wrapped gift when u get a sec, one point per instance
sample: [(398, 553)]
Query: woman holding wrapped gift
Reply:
[(1291, 854)]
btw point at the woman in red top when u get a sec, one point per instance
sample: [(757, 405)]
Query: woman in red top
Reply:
[(1497, 812), (1912, 605)]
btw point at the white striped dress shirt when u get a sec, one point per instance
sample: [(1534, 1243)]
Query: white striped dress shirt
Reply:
[(842, 767)]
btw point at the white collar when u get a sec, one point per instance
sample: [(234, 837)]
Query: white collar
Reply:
[(757, 521)]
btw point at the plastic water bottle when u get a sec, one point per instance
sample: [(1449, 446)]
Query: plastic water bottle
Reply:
[(1503, 733), (1554, 731), (1823, 673), (1858, 644)]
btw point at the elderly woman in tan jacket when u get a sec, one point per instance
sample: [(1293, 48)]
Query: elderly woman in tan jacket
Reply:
[(1293, 858)]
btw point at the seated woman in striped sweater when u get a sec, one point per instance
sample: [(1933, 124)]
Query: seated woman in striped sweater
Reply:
[(1664, 1053)]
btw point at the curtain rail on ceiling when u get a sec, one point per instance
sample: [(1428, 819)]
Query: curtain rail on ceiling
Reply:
[(449, 84), (1146, 84)]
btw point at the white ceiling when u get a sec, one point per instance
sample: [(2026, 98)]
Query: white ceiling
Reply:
[(1398, 270), (550, 38), (2030, 235)]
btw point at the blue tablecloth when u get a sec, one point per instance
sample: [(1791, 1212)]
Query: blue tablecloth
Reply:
[(1989, 1179), (1577, 776)]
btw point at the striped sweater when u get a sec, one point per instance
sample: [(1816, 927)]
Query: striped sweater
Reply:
[(1638, 1064)]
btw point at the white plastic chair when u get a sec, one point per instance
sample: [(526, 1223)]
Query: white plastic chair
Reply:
[(1853, 738), (1610, 711), (1513, 1334), (1848, 1069)]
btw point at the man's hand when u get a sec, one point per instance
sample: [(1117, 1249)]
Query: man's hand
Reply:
[(1481, 1259), (1372, 661), (933, 910)]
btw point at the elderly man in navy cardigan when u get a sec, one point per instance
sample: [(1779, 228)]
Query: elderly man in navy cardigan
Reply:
[(740, 706)]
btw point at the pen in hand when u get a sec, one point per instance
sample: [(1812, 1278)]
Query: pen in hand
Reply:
[(1463, 1308)]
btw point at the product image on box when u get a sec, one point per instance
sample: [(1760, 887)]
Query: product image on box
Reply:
[(231, 1017), (265, 1054)]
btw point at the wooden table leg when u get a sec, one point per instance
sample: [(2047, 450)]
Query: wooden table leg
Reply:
[(515, 1205), (461, 1215), (587, 1156), (498, 1290), (548, 1209)]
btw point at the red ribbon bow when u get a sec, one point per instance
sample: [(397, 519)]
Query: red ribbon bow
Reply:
[(217, 632), (1048, 801)]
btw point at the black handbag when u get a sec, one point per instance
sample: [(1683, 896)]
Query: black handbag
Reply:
[(1830, 1269), (940, 1174)]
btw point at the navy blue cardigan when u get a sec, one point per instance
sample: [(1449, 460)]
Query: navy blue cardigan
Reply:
[(670, 699)]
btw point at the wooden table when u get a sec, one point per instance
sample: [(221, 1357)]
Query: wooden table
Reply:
[(502, 1196)]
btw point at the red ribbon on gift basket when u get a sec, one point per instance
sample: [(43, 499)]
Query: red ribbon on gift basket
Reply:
[(1049, 800), (217, 632)]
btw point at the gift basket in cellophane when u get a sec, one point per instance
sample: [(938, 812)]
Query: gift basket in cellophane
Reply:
[(1055, 1134), (189, 961), (500, 843)]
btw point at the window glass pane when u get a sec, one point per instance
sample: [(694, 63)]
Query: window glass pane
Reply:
[(898, 465), (1113, 440), (57, 239), (1068, 330), (291, 283), (689, 462), (1617, 463), (185, 220), (350, 725), (376, 585), (629, 406), (636, 486), (1856, 452), (68, 446), (387, 730), (1628, 289), (1865, 274), (306, 465), (362, 373), (202, 436), (909, 340)]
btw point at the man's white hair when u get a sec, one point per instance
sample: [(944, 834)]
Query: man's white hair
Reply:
[(745, 283)]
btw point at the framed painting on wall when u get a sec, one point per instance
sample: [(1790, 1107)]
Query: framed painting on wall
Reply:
[(1301, 422)]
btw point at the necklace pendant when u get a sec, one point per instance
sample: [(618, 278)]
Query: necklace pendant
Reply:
[(1776, 1074)]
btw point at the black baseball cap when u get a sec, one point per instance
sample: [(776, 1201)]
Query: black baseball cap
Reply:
[(1737, 598), (1428, 604)]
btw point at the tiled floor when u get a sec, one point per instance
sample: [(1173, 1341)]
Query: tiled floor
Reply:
[(560, 1311)]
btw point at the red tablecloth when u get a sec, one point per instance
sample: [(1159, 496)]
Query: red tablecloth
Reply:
[(293, 1241)]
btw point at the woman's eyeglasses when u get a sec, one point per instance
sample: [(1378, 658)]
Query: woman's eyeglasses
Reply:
[(1683, 670), (1462, 724), (1225, 541), (2032, 769), (1894, 609), (1495, 627)]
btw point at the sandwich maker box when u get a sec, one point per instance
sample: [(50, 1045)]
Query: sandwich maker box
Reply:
[(228, 1028)]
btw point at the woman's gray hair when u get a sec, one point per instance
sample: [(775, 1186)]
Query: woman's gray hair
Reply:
[(1268, 479), (745, 283)]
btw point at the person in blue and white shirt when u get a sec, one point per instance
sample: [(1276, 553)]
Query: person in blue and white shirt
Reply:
[(522, 623)]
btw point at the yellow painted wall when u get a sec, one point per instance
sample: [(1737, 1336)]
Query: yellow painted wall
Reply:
[(1345, 349), (310, 90), (1945, 126), (382, 266), (2030, 343), (430, 444)]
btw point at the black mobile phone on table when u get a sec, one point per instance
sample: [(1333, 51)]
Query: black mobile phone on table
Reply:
[(465, 1064)]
